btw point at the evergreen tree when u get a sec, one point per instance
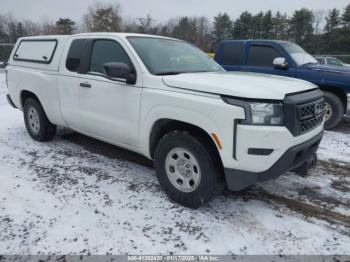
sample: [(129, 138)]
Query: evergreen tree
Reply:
[(185, 30), (333, 20), (346, 16), (254, 25), (65, 26), (267, 25), (280, 26), (301, 28), (222, 27), (103, 18), (242, 28), (332, 23)]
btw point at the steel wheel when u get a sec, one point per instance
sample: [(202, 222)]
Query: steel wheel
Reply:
[(328, 111), (183, 170), (34, 120)]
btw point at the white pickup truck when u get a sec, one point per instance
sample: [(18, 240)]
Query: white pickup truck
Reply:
[(165, 99)]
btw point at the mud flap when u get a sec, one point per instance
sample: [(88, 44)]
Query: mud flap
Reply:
[(304, 169)]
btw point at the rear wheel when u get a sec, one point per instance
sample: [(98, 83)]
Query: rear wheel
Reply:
[(36, 121), (334, 110), (187, 170)]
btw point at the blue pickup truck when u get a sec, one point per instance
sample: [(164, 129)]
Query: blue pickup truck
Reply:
[(288, 59)]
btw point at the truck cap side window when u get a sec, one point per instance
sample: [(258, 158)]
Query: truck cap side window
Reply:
[(231, 54), (262, 56), (106, 51), (74, 55), (36, 50)]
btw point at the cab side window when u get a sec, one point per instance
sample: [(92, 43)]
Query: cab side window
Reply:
[(74, 54), (106, 51), (232, 53), (262, 56)]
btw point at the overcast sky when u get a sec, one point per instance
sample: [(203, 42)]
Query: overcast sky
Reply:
[(161, 10)]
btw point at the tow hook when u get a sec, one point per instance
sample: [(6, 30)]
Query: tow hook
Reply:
[(313, 163)]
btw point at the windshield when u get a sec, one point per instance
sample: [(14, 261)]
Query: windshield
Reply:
[(299, 55), (334, 61), (167, 57)]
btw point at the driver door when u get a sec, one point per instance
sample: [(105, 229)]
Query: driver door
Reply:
[(260, 60), (110, 109)]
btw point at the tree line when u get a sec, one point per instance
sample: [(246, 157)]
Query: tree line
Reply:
[(318, 32)]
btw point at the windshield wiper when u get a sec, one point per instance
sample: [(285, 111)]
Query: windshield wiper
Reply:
[(188, 72), (168, 73), (309, 63), (202, 71)]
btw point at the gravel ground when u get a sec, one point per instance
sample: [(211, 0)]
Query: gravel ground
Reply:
[(77, 195)]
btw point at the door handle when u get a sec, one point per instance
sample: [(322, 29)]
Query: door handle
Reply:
[(85, 84)]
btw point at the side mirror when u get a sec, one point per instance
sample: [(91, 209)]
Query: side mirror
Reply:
[(120, 70), (280, 63)]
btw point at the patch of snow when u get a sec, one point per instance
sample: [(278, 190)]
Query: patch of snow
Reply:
[(3, 88), (58, 198), (335, 146)]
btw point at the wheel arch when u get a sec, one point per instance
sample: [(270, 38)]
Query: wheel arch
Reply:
[(25, 94), (338, 91), (166, 125)]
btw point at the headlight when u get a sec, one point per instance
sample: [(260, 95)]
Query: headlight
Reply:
[(257, 113), (266, 114)]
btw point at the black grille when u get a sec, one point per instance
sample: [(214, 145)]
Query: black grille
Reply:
[(304, 111), (310, 115)]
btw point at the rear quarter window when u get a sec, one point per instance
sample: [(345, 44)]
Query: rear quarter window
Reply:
[(231, 54), (74, 54), (36, 51)]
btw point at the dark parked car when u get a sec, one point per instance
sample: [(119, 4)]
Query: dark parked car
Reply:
[(288, 59)]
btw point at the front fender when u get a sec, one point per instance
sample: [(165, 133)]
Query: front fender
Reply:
[(167, 112), (180, 107)]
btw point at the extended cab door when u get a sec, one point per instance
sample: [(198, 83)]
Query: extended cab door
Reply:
[(68, 83), (259, 58), (230, 55), (110, 108)]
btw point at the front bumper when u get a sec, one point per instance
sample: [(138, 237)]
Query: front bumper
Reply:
[(348, 105), (292, 159)]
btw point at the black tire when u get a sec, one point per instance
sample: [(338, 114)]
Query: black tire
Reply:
[(211, 179), (336, 111), (45, 131)]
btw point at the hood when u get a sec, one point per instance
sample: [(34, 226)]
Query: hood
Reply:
[(239, 84), (345, 70)]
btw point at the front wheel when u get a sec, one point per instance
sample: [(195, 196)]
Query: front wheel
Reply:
[(36, 121), (186, 170), (334, 110)]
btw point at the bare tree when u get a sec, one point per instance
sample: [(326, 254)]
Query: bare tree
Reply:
[(10, 27), (129, 25), (145, 23), (204, 40), (47, 27), (31, 28), (4, 38)]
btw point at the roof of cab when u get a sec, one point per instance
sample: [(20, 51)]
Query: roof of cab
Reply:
[(255, 40), (95, 34)]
